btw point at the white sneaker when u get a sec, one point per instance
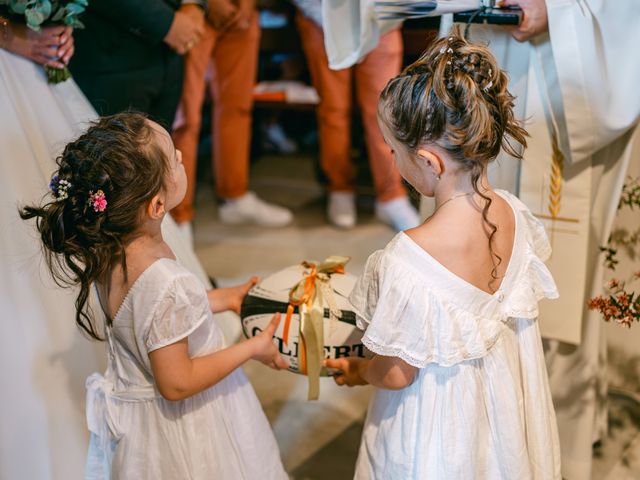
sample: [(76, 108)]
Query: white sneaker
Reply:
[(341, 209), (250, 209), (398, 213), (186, 230)]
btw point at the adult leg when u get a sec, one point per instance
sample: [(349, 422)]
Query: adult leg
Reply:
[(371, 76), (235, 60), (188, 119), (334, 111)]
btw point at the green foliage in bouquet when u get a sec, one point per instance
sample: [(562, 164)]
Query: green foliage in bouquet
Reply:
[(38, 12)]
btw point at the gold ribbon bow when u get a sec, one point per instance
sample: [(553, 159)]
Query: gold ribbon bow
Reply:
[(310, 295)]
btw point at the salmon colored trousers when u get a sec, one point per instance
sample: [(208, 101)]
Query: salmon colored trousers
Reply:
[(234, 55), (335, 89)]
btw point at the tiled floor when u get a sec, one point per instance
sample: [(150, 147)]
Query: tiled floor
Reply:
[(319, 440)]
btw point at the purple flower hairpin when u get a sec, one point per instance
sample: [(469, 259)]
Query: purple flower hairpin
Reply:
[(60, 188), (97, 201)]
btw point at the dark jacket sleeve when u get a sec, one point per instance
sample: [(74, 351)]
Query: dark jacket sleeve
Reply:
[(150, 19)]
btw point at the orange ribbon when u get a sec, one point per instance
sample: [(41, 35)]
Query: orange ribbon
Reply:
[(305, 292)]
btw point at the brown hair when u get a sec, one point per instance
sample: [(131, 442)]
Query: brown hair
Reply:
[(117, 155), (455, 96)]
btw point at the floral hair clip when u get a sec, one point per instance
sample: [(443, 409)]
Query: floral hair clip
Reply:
[(60, 188), (97, 201)]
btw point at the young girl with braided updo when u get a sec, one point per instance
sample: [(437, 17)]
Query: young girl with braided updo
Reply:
[(449, 308), (172, 403)]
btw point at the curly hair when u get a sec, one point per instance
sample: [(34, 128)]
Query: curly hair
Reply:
[(455, 97), (81, 245)]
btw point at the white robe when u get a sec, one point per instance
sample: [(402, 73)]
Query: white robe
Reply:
[(575, 85), (45, 360)]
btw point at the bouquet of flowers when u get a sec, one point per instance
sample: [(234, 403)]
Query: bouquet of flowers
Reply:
[(620, 303), (39, 12)]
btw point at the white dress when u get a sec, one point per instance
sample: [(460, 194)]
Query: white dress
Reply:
[(220, 432), (480, 406), (43, 433)]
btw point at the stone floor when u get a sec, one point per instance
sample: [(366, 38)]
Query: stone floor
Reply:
[(319, 440)]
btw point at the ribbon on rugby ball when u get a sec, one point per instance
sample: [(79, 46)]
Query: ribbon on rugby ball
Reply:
[(310, 295)]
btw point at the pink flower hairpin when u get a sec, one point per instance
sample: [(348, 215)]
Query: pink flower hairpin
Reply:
[(98, 201)]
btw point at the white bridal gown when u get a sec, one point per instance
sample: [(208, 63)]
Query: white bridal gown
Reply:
[(45, 360)]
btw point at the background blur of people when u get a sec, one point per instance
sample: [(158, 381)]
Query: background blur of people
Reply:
[(129, 55), (334, 122), (230, 45)]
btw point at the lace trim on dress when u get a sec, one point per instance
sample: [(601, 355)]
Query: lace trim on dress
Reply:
[(435, 358), (419, 324)]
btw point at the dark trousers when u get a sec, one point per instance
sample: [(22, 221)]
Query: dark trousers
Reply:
[(153, 90)]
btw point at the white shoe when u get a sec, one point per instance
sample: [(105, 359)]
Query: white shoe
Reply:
[(398, 213), (186, 230), (341, 209), (250, 209)]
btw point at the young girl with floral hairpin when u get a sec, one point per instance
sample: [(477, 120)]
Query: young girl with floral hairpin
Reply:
[(172, 403), (449, 308)]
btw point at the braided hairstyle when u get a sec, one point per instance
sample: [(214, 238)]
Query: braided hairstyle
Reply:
[(82, 243), (455, 97)]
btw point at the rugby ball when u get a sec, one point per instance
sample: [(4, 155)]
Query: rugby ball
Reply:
[(341, 336)]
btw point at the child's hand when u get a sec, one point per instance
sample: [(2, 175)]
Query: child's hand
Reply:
[(264, 350), (223, 299), (351, 370)]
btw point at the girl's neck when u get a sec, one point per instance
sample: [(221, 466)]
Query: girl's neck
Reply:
[(147, 245), (459, 185)]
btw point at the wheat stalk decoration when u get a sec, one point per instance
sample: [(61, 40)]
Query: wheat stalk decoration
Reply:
[(555, 178)]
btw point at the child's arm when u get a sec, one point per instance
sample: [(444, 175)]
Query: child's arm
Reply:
[(391, 373), (223, 299), (178, 376)]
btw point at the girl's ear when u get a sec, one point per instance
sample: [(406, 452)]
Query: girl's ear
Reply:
[(434, 162), (156, 207)]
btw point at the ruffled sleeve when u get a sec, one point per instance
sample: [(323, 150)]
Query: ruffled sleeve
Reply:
[(536, 235), (179, 310), (408, 319), (534, 282), (364, 296)]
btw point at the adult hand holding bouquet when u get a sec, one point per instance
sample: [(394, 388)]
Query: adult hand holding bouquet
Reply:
[(46, 37)]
